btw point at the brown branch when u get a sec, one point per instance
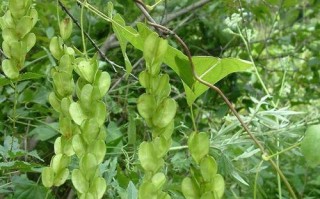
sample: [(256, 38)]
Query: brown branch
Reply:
[(226, 100)]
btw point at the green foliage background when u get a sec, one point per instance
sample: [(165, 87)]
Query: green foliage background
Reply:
[(284, 43)]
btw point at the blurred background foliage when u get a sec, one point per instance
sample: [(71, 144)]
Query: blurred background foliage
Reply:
[(283, 39)]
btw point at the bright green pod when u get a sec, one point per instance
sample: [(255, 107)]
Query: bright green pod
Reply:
[(65, 106), (165, 132), (79, 181), (148, 157), (59, 162), (65, 64), (29, 40), (165, 113), (63, 82), (66, 144), (79, 146), (24, 26), (18, 8), (98, 148), (208, 168), (9, 69), (309, 145), (57, 146), (47, 177), (9, 35), (144, 79), (76, 113), (98, 186), (99, 112), (65, 28), (90, 130), (61, 177), (88, 165), (54, 102), (56, 48), (154, 51), (162, 145), (146, 105), (147, 191), (198, 144), (158, 180), (86, 69), (190, 189), (6, 21), (103, 82), (218, 185), (163, 89)]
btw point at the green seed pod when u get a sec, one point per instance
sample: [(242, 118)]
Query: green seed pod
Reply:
[(148, 157), (59, 162), (198, 144), (144, 79), (6, 21), (158, 180), (154, 52), (190, 188), (163, 89), (76, 113), (56, 47), (89, 165), (208, 168), (9, 69), (79, 181), (79, 145), (24, 26), (86, 69), (65, 106), (54, 102), (98, 186), (47, 177), (98, 148), (146, 105), (165, 113), (61, 177), (29, 40), (102, 81), (65, 28), (90, 130), (218, 185)]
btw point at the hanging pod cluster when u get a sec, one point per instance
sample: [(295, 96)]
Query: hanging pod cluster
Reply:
[(60, 100), (158, 110), (204, 182), (16, 25), (81, 122)]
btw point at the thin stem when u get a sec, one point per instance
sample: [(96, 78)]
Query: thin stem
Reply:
[(82, 32), (193, 119), (283, 151), (255, 181)]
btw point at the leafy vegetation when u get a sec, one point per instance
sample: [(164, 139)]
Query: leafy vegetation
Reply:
[(159, 99)]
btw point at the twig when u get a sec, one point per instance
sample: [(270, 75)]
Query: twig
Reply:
[(90, 39), (226, 100), (111, 41)]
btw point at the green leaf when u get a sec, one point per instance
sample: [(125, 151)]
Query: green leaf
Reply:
[(198, 144), (45, 131), (210, 68), (310, 145), (117, 25), (132, 191), (25, 188)]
